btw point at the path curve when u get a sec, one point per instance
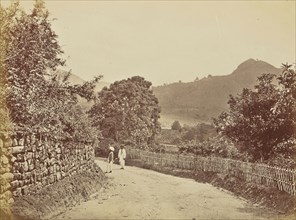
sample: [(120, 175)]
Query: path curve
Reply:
[(136, 193)]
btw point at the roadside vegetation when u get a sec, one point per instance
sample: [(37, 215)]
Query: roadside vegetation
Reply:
[(127, 112), (34, 98), (261, 122), (258, 127)]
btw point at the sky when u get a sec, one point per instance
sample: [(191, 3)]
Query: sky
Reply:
[(168, 41)]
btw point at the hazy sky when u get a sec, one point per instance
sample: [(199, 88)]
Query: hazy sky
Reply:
[(168, 41)]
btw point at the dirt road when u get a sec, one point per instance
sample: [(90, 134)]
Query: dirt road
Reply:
[(136, 193)]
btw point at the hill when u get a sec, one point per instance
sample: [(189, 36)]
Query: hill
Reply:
[(74, 80), (199, 101)]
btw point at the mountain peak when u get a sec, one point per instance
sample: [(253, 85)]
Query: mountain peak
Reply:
[(251, 65)]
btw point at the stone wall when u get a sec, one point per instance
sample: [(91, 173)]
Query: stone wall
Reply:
[(6, 175), (30, 162)]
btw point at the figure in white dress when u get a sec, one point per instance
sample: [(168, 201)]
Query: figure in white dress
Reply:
[(122, 156)]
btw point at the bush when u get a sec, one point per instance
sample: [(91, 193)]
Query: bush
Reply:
[(176, 126)]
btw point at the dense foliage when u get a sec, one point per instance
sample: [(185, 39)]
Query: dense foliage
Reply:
[(262, 122), (35, 97), (127, 110), (199, 132), (176, 126), (6, 16), (218, 146), (187, 134)]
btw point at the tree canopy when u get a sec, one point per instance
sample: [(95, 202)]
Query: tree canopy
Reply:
[(33, 96), (262, 121), (176, 126), (127, 110)]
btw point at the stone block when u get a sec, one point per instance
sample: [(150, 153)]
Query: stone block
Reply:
[(59, 157), (58, 175), (18, 149), (29, 155), (58, 150), (14, 184), (33, 149), (25, 166), (27, 140), (27, 175), (39, 147), (33, 179), (37, 154), (21, 141), (44, 172), (54, 168), (29, 161), (52, 179), (47, 162), (52, 161), (37, 165), (13, 159), (64, 174), (21, 183), (51, 170), (38, 177), (20, 158), (44, 181), (17, 176), (31, 167), (25, 190), (29, 148), (16, 167), (14, 142), (17, 192), (32, 139)]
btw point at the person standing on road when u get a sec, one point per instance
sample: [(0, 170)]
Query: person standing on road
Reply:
[(110, 160), (122, 156)]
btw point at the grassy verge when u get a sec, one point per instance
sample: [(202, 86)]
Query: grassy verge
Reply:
[(271, 198), (54, 199)]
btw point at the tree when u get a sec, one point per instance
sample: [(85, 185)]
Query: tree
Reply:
[(32, 48), (60, 112), (176, 126), (199, 133), (36, 98), (262, 121), (6, 22), (127, 109)]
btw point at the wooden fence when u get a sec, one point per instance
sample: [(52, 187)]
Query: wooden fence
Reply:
[(260, 174)]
